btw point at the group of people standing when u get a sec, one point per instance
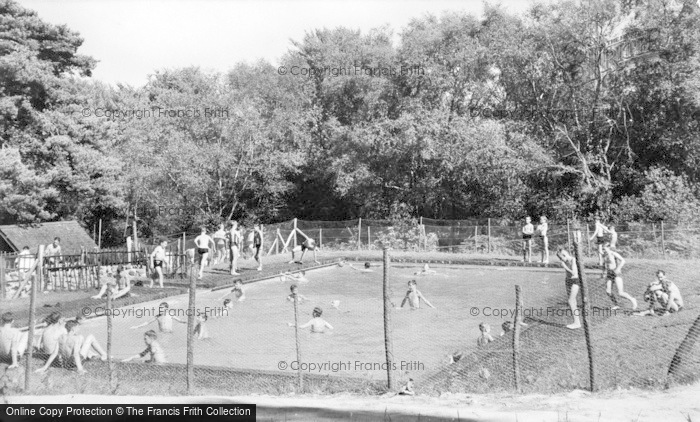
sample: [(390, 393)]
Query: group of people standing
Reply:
[(227, 243)]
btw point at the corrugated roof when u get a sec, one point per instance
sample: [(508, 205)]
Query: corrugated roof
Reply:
[(72, 235)]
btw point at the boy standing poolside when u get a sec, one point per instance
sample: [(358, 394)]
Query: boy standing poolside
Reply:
[(202, 243), (317, 324), (528, 230), (573, 285), (153, 350), (414, 296), (157, 260), (542, 229), (599, 236), (613, 270)]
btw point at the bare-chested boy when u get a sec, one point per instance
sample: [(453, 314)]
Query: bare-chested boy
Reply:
[(74, 348), (613, 269), (55, 328), (573, 285), (153, 350), (414, 296), (295, 293), (164, 320), (307, 245), (317, 324), (237, 291), (202, 244), (13, 342)]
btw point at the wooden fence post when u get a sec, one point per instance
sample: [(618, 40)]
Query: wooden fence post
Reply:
[(320, 237), (294, 231), (359, 233), (32, 317), (190, 334), (110, 361), (489, 236), (388, 347), (300, 376), (586, 307), (663, 240), (516, 338), (369, 239)]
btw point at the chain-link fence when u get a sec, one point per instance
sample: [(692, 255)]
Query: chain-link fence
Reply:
[(351, 327)]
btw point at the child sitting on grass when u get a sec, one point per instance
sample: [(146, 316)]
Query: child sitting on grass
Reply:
[(664, 292), (317, 324), (485, 338), (73, 349), (153, 350)]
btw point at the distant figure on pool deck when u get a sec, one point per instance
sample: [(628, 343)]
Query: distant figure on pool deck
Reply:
[(599, 236), (157, 261), (295, 293), (237, 291), (664, 292), (164, 320), (74, 348), (289, 276), (613, 271), (308, 244), (542, 229), (258, 244), (485, 337), (414, 296), (202, 243), (153, 350), (219, 238), (425, 271), (317, 324), (13, 342), (366, 268), (573, 285), (528, 231)]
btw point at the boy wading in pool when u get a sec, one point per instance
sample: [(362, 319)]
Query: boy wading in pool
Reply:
[(164, 320), (237, 291), (573, 285), (317, 324), (414, 296), (613, 270), (153, 350)]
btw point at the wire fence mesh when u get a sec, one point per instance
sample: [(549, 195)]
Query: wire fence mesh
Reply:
[(350, 328)]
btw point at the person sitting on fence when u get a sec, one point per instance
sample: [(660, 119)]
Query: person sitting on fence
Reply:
[(425, 271), (317, 324), (50, 335), (573, 285), (153, 349), (164, 319), (528, 231), (119, 286), (542, 229), (237, 291), (485, 337), (202, 243), (599, 236), (414, 296), (407, 389), (290, 276), (613, 271), (295, 294), (220, 242), (157, 261), (664, 292), (366, 268), (73, 349), (308, 244), (13, 342), (507, 327)]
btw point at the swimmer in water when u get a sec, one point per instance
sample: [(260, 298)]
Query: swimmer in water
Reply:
[(414, 296), (317, 324), (425, 271)]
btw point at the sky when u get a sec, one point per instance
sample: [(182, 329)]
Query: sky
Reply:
[(133, 38)]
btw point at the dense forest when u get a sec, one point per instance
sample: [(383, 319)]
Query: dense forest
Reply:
[(570, 109)]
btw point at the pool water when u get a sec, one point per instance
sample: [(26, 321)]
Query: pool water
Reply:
[(255, 334)]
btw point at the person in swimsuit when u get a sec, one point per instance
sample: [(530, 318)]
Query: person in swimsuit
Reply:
[(613, 236), (235, 241), (317, 324), (599, 236), (613, 270), (307, 244), (13, 342), (157, 260), (237, 291), (542, 229), (258, 244), (573, 285), (295, 294), (202, 243), (220, 242), (164, 319), (485, 337), (74, 348), (153, 350), (414, 296), (528, 230)]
